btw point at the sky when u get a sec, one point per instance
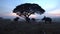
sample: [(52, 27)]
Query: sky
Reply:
[(51, 7)]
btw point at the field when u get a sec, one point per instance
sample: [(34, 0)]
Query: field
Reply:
[(13, 27)]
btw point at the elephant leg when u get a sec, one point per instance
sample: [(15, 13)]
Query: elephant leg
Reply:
[(45, 22), (50, 22)]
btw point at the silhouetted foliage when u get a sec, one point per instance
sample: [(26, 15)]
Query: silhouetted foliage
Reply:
[(47, 19), (16, 19), (33, 19), (1, 18), (27, 9), (27, 19)]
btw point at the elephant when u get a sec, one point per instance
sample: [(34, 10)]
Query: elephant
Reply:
[(47, 19)]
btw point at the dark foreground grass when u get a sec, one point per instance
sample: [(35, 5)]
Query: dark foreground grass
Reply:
[(12, 27)]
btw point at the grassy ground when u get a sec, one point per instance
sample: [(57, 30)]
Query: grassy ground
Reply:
[(12, 27)]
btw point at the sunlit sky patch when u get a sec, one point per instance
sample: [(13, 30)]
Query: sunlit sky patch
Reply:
[(52, 7), (55, 12)]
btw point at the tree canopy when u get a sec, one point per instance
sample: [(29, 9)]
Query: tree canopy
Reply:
[(28, 9)]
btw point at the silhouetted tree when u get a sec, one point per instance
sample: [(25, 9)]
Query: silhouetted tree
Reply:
[(27, 9), (47, 19), (27, 19), (33, 19), (1, 17), (16, 19)]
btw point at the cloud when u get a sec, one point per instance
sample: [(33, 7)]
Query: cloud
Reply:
[(10, 14), (13, 14), (55, 12)]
